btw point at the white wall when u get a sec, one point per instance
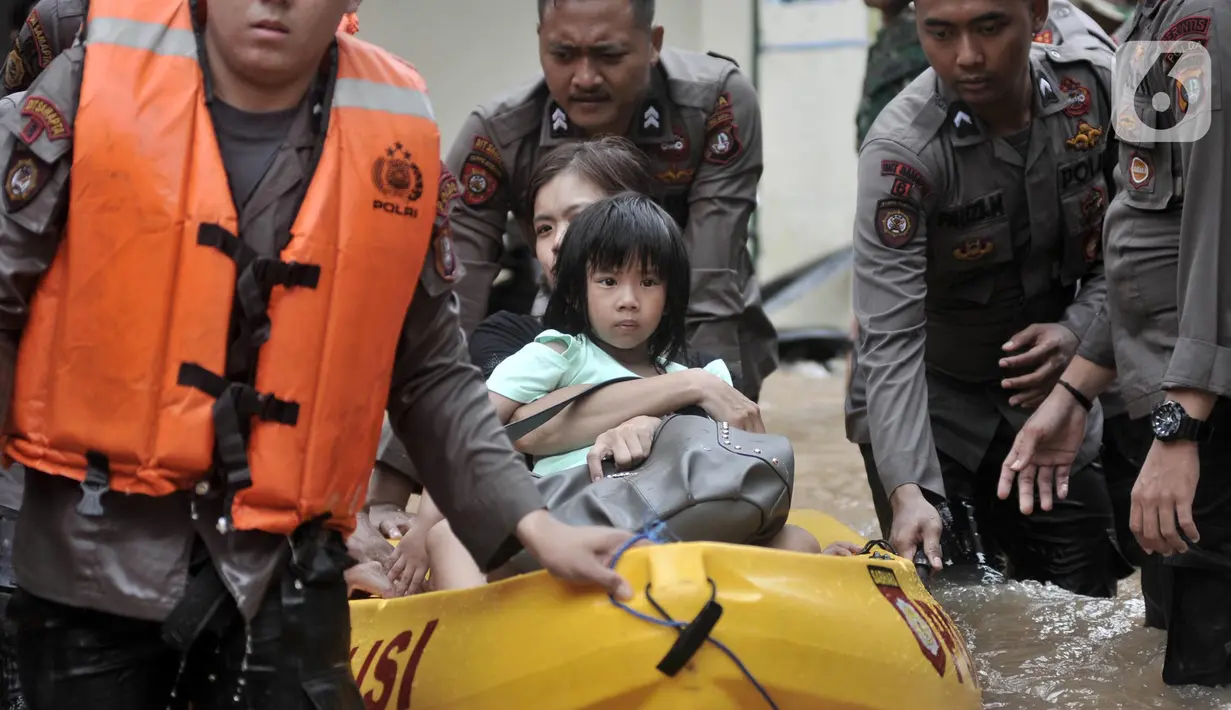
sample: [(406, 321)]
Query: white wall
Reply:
[(810, 77)]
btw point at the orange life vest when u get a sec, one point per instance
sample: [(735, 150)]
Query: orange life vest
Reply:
[(122, 374)]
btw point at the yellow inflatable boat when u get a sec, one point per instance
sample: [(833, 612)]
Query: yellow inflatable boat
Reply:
[(803, 631)]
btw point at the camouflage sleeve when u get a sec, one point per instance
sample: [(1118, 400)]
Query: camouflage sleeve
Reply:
[(479, 217)]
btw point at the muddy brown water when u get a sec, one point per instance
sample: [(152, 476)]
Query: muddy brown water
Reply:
[(1035, 646)]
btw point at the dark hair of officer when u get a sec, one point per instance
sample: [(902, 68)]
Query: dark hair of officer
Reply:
[(643, 11), (980, 49), (596, 57), (610, 235)]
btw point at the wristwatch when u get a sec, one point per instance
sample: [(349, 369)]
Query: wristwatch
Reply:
[(1171, 423)]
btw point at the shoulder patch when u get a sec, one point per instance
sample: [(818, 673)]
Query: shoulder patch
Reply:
[(722, 143), (896, 222), (1194, 28), (41, 40), (443, 254), (43, 116), (482, 173), (908, 174), (24, 178)]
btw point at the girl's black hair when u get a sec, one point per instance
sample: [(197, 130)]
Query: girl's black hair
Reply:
[(611, 234)]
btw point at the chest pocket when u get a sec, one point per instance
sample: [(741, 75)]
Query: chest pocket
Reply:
[(966, 262), (1083, 203)]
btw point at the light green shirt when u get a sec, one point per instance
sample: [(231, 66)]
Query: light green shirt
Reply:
[(537, 370)]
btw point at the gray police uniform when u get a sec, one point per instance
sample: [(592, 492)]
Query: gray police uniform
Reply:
[(963, 239), (700, 127), (1167, 322)]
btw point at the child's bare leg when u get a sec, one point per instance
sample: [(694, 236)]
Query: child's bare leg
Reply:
[(452, 567), (795, 539)]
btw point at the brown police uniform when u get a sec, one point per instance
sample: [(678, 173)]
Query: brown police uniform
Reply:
[(50, 28), (1167, 321), (107, 582), (700, 126), (963, 239)]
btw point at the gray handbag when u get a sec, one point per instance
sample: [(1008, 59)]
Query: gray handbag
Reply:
[(705, 480)]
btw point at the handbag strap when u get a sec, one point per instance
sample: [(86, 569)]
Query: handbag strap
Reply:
[(518, 429)]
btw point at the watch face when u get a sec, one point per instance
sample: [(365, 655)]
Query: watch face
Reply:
[(1167, 419)]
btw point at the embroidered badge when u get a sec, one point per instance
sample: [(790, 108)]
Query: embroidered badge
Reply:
[(1140, 171), (24, 179), (1046, 92), (896, 222), (722, 143), (482, 172), (1093, 204), (1044, 37), (42, 116), (14, 70), (907, 173), (675, 176), (676, 148), (1080, 96), (396, 175), (1087, 137), (964, 125), (445, 258), (974, 249), (41, 41), (1194, 28)]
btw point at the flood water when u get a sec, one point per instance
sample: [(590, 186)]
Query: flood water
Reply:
[(1035, 646)]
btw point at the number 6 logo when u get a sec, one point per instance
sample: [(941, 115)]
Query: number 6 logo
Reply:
[(1182, 96)]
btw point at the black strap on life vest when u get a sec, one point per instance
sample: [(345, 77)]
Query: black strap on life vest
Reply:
[(237, 401)]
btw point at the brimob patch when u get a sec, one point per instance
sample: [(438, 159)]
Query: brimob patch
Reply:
[(43, 117), (24, 179), (1140, 171), (896, 222), (907, 173), (1194, 28), (482, 172), (722, 143), (41, 41)]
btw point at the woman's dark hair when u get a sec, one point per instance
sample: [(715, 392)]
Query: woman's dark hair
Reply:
[(612, 234), (613, 164)]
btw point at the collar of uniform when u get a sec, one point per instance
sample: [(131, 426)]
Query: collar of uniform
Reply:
[(1149, 8), (1047, 96), (960, 121), (651, 123)]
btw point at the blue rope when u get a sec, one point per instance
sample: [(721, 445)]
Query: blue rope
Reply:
[(658, 534)]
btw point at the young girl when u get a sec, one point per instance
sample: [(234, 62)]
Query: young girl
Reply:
[(618, 309)]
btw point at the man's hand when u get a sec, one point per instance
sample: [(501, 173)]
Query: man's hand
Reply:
[(367, 544), (1164, 493), (628, 444), (575, 554), (391, 520), (409, 564), (369, 577), (727, 404), (1044, 451), (1049, 348), (915, 522)]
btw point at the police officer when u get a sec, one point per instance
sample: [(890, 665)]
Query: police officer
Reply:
[(1165, 332), (896, 56), (981, 193), (118, 592), (50, 27), (696, 117)]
